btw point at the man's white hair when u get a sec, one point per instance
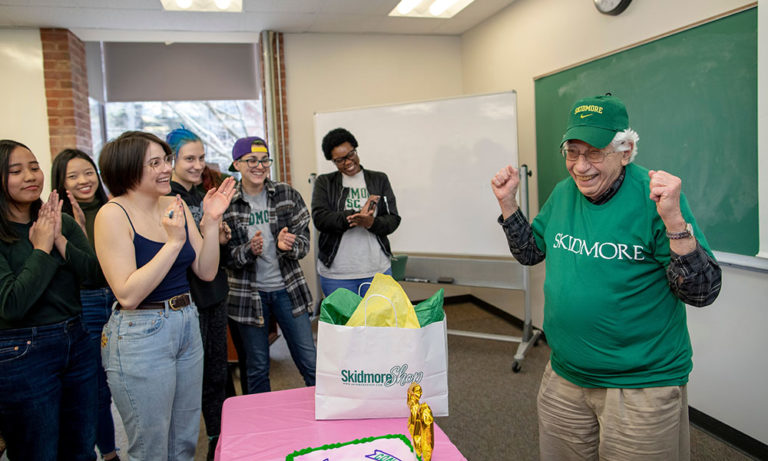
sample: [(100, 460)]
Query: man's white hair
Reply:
[(626, 141)]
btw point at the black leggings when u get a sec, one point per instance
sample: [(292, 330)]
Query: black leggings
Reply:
[(213, 330)]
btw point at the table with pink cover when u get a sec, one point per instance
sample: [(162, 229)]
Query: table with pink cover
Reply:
[(272, 425)]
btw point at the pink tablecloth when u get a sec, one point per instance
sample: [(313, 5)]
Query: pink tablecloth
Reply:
[(272, 425)]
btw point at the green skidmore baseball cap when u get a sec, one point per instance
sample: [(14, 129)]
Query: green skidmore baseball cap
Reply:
[(596, 120)]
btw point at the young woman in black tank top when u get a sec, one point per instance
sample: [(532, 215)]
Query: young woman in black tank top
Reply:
[(151, 346)]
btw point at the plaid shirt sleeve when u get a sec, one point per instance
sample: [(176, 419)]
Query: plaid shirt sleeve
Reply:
[(520, 239), (289, 210), (694, 278), (239, 245), (299, 221)]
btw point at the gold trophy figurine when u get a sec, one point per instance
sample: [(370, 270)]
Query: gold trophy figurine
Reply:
[(427, 432), (414, 419), (420, 424)]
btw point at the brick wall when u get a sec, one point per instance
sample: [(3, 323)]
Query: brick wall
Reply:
[(66, 90), (281, 141)]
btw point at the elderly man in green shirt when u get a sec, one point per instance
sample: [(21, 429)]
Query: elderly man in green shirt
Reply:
[(623, 254)]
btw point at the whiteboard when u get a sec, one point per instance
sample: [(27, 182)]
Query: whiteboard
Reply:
[(440, 156)]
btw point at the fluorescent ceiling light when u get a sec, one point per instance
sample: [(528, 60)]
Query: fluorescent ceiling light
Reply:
[(211, 6), (439, 6), (405, 6), (429, 8)]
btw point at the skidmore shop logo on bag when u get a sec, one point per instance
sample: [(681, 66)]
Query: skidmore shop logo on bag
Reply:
[(397, 375)]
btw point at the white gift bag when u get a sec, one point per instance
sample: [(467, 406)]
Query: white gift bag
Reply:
[(364, 372)]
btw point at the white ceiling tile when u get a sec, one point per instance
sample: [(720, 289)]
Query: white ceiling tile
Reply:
[(124, 17), (283, 6)]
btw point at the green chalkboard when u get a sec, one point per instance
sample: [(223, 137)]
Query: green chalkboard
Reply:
[(692, 97)]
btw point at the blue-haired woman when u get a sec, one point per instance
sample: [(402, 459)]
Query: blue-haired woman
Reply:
[(210, 297)]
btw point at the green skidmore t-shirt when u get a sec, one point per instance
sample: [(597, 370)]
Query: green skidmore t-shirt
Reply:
[(610, 316)]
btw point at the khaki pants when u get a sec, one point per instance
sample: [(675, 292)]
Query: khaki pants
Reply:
[(578, 423)]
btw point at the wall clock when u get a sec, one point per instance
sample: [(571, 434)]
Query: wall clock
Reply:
[(612, 7)]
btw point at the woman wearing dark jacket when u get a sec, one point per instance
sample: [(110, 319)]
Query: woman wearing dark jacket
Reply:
[(354, 211)]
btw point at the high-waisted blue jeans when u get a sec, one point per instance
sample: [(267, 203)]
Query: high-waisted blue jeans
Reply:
[(48, 392), (298, 335), (154, 364), (97, 307), (354, 285)]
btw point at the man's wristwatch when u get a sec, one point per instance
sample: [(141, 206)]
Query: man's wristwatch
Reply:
[(688, 232)]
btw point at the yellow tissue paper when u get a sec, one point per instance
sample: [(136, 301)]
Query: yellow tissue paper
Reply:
[(384, 294)]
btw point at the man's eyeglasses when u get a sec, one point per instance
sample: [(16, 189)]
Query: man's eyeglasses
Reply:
[(592, 156), (157, 162), (342, 160), (253, 161)]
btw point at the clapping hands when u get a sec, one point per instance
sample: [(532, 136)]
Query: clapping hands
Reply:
[(285, 239), (216, 201), (257, 243), (366, 215), (46, 230), (77, 212), (225, 233), (174, 221)]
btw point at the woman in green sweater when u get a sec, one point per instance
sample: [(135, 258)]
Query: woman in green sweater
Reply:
[(75, 177), (47, 363)]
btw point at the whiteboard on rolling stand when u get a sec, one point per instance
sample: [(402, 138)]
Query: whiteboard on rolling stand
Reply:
[(440, 156)]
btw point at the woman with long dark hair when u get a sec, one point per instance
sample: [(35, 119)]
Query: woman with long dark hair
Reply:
[(76, 180), (47, 363)]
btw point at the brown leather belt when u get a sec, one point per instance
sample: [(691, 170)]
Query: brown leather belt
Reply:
[(176, 303)]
